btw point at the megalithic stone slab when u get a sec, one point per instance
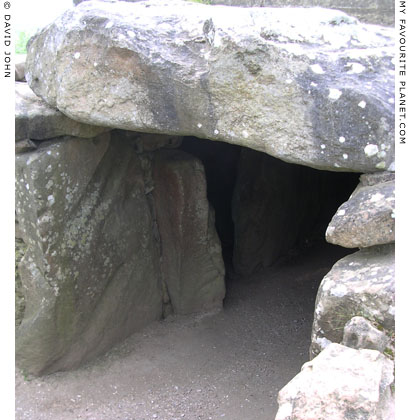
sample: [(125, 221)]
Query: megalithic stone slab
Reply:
[(361, 284), (366, 219), (339, 384), (36, 120), (311, 86), (91, 271), (191, 256)]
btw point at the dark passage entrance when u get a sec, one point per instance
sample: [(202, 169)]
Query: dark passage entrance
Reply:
[(268, 211)]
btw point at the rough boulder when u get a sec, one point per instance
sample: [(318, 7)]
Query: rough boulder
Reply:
[(313, 87)]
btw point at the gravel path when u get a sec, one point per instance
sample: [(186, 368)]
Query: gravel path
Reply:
[(227, 365)]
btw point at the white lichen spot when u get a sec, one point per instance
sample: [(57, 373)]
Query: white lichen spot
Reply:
[(95, 64), (356, 68), (381, 154), (77, 55), (339, 291), (362, 104), (245, 134), (316, 68), (341, 212), (336, 165), (216, 132), (313, 84), (323, 146), (121, 37), (323, 342), (371, 150), (376, 197), (392, 167), (51, 199), (391, 100), (342, 139), (131, 34), (383, 146), (49, 184), (345, 156), (49, 152), (199, 125), (285, 410), (335, 93), (288, 81), (109, 25), (381, 165)]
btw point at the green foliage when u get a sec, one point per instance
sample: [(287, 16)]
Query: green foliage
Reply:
[(21, 42)]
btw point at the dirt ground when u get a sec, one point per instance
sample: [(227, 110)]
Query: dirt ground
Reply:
[(229, 364)]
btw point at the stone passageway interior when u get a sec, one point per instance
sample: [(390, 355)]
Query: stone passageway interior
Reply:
[(232, 363), (267, 211), (170, 277)]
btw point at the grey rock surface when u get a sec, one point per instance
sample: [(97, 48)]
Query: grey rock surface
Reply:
[(341, 383), (380, 12), (361, 284), (360, 333), (228, 74), (94, 270), (191, 255), (20, 68), (90, 273), (366, 219), (36, 120)]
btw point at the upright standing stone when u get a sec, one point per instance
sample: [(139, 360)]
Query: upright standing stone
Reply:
[(90, 273), (191, 257)]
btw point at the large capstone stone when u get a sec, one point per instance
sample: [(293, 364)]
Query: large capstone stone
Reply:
[(361, 284), (367, 218), (93, 272), (339, 384), (313, 86), (380, 12), (36, 120)]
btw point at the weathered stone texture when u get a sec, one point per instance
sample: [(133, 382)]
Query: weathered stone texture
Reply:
[(359, 333), (36, 120), (339, 384), (361, 284), (228, 74), (20, 68), (192, 265), (366, 219), (380, 12), (93, 271)]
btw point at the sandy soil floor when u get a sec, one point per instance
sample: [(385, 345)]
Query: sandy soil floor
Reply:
[(227, 365)]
